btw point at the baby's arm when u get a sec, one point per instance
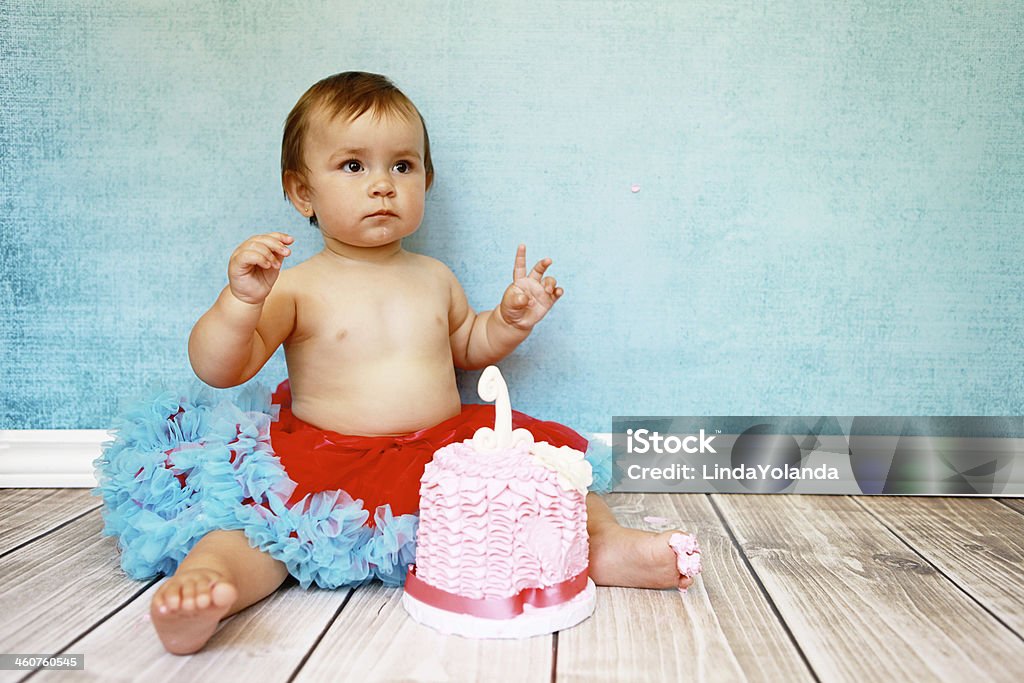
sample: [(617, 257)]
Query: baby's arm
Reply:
[(480, 340), (243, 328)]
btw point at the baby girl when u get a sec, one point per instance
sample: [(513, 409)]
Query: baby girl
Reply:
[(372, 335)]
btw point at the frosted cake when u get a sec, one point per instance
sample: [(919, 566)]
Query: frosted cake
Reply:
[(502, 549)]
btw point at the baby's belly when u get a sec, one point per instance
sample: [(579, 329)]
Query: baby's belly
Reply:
[(375, 399)]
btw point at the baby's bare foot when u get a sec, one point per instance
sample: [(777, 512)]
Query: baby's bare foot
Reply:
[(620, 556), (188, 606)]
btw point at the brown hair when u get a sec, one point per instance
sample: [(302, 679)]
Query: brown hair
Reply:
[(350, 94)]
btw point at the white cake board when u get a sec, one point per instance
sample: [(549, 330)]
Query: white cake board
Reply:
[(534, 621)]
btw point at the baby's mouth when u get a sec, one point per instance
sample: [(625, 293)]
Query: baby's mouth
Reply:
[(383, 212)]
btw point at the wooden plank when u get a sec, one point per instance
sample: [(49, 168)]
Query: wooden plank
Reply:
[(375, 640), (860, 603), (723, 628), (976, 542), (28, 513), (57, 587), (1015, 503), (265, 642)]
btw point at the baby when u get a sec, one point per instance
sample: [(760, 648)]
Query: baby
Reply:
[(372, 333)]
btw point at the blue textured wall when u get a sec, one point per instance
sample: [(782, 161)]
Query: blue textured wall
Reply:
[(828, 223)]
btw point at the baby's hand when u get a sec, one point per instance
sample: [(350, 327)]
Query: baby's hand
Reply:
[(255, 265), (529, 297)]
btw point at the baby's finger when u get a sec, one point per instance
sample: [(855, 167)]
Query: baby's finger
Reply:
[(549, 284), (519, 269), (258, 255), (558, 293), (538, 270), (282, 236), (516, 298), (262, 249), (273, 243)]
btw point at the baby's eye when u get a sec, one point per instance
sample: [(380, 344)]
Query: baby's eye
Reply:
[(403, 167), (351, 166)]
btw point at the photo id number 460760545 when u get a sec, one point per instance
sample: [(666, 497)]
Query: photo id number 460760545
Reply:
[(23, 662)]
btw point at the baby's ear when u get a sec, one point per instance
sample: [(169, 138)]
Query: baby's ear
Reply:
[(297, 191), (430, 180)]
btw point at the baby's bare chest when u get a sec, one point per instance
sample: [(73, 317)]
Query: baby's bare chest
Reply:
[(373, 315)]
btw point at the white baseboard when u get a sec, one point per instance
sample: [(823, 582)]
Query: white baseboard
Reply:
[(49, 458), (60, 458)]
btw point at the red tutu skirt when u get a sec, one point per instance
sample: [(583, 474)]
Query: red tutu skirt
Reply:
[(384, 469)]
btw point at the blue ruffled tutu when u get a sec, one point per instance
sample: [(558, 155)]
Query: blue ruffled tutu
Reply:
[(184, 464)]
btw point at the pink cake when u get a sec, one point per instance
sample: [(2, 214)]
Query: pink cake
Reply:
[(492, 524), (502, 548)]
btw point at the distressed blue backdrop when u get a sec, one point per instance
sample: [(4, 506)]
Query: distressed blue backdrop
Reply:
[(828, 219)]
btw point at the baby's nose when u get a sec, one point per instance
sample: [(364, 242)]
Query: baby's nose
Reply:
[(382, 187)]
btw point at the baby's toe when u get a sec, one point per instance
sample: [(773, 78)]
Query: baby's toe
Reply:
[(158, 604), (223, 595), (172, 595), (188, 594)]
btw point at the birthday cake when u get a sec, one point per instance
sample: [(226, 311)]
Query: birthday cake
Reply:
[(502, 548)]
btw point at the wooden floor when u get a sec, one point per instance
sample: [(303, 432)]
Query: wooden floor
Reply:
[(795, 588)]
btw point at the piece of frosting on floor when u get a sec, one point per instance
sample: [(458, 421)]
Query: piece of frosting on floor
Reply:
[(687, 554)]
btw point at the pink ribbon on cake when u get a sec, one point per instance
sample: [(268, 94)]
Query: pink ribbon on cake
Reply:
[(494, 608)]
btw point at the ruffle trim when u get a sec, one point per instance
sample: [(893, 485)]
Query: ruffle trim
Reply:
[(599, 455), (184, 464)]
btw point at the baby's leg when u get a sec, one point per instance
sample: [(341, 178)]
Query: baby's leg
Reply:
[(629, 557), (222, 575)]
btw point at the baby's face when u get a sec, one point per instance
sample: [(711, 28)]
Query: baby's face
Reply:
[(366, 181)]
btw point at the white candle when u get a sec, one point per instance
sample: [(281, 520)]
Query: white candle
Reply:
[(492, 387)]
